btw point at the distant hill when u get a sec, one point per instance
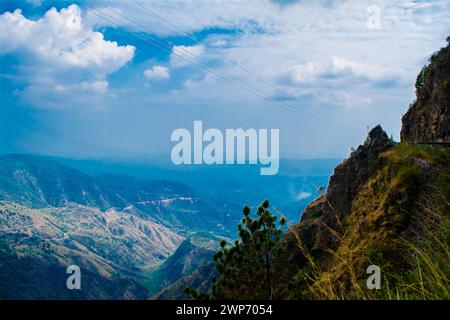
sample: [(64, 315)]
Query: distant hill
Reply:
[(111, 226), (39, 182), (189, 266), (226, 186), (136, 231)]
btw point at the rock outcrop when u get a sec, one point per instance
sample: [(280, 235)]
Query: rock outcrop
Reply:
[(351, 174), (385, 194), (386, 209), (428, 118), (329, 212)]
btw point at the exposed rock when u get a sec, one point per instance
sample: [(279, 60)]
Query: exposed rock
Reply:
[(428, 118), (351, 174), (327, 213), (380, 194)]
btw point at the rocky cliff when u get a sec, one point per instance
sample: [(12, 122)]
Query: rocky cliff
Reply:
[(428, 118), (330, 211), (387, 204), (386, 209)]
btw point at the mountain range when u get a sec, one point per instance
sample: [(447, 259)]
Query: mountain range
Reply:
[(135, 231)]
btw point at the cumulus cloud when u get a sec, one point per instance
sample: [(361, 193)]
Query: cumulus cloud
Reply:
[(335, 82), (157, 72), (306, 49), (60, 44), (60, 38), (334, 69), (319, 54), (183, 56)]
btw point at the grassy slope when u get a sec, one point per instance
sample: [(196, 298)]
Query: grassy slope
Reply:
[(400, 222)]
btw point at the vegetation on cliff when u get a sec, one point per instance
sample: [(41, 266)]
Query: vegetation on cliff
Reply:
[(428, 118), (398, 220), (387, 205)]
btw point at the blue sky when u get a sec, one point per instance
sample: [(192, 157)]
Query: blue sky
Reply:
[(74, 84)]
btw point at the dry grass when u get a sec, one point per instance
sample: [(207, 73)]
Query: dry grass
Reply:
[(388, 227)]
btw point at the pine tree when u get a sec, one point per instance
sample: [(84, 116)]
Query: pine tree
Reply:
[(251, 268)]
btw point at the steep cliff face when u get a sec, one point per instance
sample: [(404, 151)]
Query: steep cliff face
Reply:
[(386, 209), (327, 214), (428, 118), (387, 204)]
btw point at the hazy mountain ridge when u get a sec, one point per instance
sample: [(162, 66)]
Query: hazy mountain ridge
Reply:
[(114, 226), (39, 182), (111, 226)]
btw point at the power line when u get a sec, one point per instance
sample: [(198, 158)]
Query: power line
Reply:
[(166, 48), (192, 36), (198, 62), (214, 70), (180, 50), (169, 48)]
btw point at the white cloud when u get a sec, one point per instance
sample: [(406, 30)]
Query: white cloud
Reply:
[(60, 38), (100, 86), (307, 48), (337, 82), (193, 16), (157, 72), (334, 69), (59, 50), (254, 16), (183, 56), (369, 81), (207, 79)]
